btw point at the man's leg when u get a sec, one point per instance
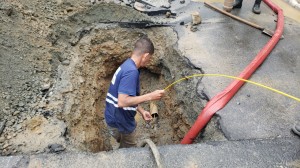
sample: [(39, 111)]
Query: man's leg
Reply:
[(128, 140), (114, 132), (237, 4), (256, 7)]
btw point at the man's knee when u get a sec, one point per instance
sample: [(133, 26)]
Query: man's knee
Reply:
[(128, 140), (114, 132)]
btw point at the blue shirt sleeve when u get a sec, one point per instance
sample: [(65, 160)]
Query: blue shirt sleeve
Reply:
[(129, 82)]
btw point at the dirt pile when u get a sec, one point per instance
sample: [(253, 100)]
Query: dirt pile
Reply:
[(26, 72)]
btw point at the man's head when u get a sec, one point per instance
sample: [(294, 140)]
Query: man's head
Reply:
[(143, 49)]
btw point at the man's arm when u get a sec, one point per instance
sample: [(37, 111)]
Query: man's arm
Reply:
[(125, 100)]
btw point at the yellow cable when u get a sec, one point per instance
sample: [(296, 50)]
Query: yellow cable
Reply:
[(233, 77)]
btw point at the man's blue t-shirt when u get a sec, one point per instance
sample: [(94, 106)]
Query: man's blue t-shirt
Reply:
[(125, 81)]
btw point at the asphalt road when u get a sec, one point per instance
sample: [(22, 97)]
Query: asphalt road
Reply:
[(226, 46)]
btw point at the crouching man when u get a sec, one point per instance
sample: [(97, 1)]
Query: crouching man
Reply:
[(123, 97)]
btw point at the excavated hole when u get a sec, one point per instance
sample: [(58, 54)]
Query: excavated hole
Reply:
[(100, 53), (95, 51)]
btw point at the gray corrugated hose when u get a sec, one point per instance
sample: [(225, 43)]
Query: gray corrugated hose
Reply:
[(153, 149)]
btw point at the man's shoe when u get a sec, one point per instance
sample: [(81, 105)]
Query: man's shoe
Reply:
[(237, 4), (256, 8), (296, 129)]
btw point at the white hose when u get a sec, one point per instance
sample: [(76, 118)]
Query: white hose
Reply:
[(153, 149)]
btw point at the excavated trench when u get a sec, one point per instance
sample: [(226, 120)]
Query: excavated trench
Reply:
[(85, 50), (100, 53), (96, 47)]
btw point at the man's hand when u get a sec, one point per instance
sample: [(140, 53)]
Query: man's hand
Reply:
[(146, 115), (156, 95)]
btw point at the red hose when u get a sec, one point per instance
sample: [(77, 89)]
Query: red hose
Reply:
[(222, 98)]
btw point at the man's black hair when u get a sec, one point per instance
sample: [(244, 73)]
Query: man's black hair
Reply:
[(144, 45)]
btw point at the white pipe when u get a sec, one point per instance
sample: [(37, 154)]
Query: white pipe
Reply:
[(154, 151)]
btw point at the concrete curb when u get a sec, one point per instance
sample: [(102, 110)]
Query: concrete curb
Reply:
[(281, 152)]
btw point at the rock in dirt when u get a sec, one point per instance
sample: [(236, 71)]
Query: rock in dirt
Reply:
[(9, 137), (194, 28), (9, 123), (2, 139), (66, 62), (18, 127), (56, 148), (5, 146), (16, 113), (2, 126), (46, 86), (21, 104), (139, 6), (168, 14)]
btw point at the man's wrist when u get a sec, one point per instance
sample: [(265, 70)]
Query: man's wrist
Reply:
[(143, 111), (140, 109)]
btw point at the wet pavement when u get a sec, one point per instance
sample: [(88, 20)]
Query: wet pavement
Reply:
[(226, 46)]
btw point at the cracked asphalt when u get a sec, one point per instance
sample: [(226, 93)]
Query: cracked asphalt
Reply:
[(227, 46)]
